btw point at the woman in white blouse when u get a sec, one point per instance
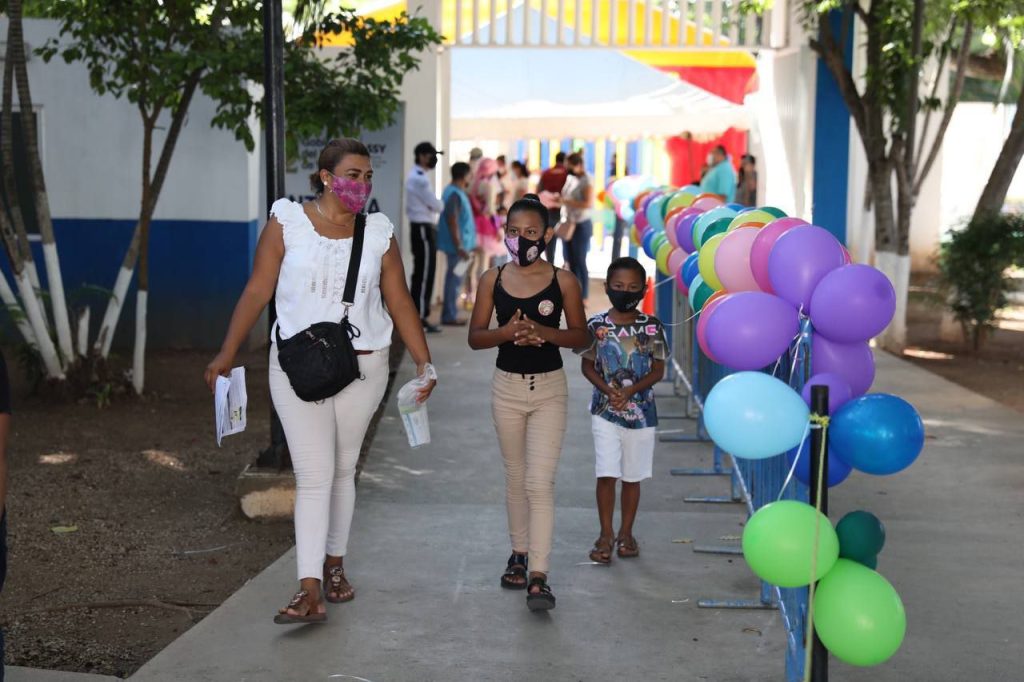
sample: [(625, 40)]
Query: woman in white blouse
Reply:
[(302, 261)]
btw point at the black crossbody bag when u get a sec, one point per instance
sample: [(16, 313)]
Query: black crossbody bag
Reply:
[(320, 360)]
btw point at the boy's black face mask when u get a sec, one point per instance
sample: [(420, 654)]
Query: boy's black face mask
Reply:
[(625, 301)]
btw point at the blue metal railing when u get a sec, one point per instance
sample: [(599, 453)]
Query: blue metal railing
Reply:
[(754, 483)]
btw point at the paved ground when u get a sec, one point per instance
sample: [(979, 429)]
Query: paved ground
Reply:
[(430, 542)]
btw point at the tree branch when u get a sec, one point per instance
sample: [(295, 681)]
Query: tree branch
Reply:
[(862, 13), (951, 102), (940, 72)]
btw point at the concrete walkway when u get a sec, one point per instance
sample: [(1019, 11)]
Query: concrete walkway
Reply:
[(430, 541)]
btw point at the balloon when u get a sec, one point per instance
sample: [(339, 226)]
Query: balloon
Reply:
[(659, 239), (702, 321), (691, 268), (634, 238), (858, 614), (706, 219), (717, 227), (779, 544), (762, 248), (653, 212), (646, 241), (800, 259), (771, 210), (706, 202), (847, 256), (640, 220), (670, 229), (839, 391), (861, 536), (661, 258), (754, 216), (734, 206), (695, 284), (684, 229), (751, 330), (732, 260), (754, 415), (852, 303), (676, 260), (877, 433), (638, 199), (838, 470), (681, 284), (681, 199), (699, 294), (706, 262), (851, 361)]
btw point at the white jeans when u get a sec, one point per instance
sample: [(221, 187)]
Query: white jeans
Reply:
[(324, 440)]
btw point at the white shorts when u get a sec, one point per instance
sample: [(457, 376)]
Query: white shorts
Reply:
[(623, 453)]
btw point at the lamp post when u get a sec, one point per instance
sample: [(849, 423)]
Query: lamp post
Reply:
[(276, 456)]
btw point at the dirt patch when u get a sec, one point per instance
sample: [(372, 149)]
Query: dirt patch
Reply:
[(996, 371), (151, 499)]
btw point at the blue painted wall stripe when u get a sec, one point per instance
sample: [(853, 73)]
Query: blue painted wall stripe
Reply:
[(831, 144)]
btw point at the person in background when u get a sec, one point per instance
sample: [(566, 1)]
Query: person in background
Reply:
[(520, 181), (456, 238), (475, 156), (5, 431), (530, 394), (578, 205), (625, 360), (422, 207), (506, 183), (483, 196), (746, 181), (301, 263), (620, 225), (551, 182), (720, 178)]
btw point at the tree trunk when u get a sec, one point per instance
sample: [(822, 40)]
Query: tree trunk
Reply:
[(42, 205), (141, 301), (16, 312), (105, 336), (994, 194), (888, 257)]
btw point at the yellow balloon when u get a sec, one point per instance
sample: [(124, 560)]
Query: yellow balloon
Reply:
[(706, 262), (661, 258), (755, 217), (633, 236), (680, 199)]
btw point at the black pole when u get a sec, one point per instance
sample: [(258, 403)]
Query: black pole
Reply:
[(276, 456), (819, 471)]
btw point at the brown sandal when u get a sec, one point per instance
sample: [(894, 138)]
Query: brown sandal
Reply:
[(301, 597), (628, 548), (602, 551), (336, 584)]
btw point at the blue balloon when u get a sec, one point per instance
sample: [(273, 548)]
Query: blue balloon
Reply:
[(704, 221), (736, 207), (838, 470), (654, 213), (754, 416), (877, 433), (648, 238), (690, 268)]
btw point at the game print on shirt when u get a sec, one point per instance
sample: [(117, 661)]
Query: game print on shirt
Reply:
[(624, 354)]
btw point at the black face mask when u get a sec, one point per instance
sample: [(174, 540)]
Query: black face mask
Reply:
[(524, 251), (625, 301)]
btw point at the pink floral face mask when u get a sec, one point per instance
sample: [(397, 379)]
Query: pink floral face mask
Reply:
[(353, 194)]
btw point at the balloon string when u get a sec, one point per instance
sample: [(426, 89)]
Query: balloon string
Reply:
[(796, 460), (817, 422)]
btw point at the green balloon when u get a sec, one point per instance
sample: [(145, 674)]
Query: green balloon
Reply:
[(858, 615), (861, 536), (778, 543), (704, 292), (658, 240), (777, 212), (720, 226)]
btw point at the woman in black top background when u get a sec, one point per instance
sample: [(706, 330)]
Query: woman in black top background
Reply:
[(529, 389)]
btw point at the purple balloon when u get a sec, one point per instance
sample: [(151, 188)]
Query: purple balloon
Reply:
[(762, 248), (839, 391), (851, 361), (852, 303), (800, 259), (751, 330), (684, 231)]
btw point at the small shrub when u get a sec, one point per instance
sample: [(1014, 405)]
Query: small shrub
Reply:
[(974, 266)]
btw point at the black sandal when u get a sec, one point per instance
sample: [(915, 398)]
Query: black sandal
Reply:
[(515, 573), (541, 600)]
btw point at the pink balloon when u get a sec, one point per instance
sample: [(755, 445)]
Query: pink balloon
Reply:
[(640, 220), (670, 232), (732, 260), (702, 323), (706, 204), (680, 282), (676, 260), (846, 255), (762, 248)]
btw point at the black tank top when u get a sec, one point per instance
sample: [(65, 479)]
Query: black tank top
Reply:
[(544, 308)]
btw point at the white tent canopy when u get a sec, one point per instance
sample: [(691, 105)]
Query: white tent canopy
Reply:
[(511, 93)]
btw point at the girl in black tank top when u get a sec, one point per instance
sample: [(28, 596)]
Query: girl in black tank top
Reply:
[(530, 394)]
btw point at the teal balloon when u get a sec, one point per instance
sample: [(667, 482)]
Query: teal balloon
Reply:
[(695, 284), (754, 416), (858, 614), (706, 218), (861, 537), (877, 433), (719, 226), (655, 214)]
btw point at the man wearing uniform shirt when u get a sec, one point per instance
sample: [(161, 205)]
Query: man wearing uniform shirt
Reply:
[(423, 208), (5, 429), (553, 180)]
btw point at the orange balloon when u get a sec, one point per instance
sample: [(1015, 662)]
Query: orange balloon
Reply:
[(639, 198), (674, 211)]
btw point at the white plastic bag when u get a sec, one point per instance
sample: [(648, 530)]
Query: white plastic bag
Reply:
[(414, 414)]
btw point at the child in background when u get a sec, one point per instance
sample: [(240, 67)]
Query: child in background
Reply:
[(624, 361)]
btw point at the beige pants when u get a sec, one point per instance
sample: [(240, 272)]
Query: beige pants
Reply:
[(529, 417)]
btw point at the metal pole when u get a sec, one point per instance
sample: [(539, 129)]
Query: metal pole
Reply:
[(819, 468), (276, 456)]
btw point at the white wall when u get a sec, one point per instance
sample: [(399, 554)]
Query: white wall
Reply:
[(92, 150)]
